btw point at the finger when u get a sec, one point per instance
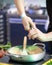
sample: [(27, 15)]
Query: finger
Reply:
[(34, 36), (31, 34)]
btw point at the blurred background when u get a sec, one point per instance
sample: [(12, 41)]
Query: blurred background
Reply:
[(11, 28)]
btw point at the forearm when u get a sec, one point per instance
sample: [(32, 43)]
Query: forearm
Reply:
[(20, 6), (49, 36), (44, 36)]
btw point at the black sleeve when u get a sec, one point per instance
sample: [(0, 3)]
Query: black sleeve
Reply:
[(49, 10)]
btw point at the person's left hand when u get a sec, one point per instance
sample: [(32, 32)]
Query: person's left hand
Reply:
[(32, 34), (36, 33)]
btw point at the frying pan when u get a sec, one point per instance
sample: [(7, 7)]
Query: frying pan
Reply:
[(27, 58)]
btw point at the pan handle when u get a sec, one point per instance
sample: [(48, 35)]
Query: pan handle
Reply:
[(40, 44)]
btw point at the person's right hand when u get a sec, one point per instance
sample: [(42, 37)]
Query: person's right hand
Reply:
[(28, 23)]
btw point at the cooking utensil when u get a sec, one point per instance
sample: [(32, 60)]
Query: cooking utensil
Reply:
[(28, 58), (24, 51)]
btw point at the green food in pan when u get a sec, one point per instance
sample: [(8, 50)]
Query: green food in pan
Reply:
[(34, 50), (30, 50)]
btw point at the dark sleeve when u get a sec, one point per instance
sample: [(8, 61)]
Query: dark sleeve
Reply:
[(49, 10)]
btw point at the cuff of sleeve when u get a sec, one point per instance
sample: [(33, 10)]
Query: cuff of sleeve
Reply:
[(23, 15)]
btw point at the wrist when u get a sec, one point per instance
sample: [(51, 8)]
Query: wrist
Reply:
[(45, 37), (22, 15)]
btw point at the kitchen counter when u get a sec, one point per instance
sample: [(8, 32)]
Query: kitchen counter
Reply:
[(7, 59)]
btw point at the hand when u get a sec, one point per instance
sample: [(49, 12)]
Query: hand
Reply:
[(32, 34), (28, 23), (36, 33)]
